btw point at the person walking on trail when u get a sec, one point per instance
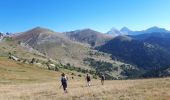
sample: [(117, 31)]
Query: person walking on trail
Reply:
[(88, 79), (64, 82), (102, 79)]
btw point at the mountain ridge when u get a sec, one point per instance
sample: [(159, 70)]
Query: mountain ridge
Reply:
[(127, 31), (88, 36), (122, 56)]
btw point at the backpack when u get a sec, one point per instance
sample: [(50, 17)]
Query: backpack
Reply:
[(103, 78), (63, 80), (88, 78)]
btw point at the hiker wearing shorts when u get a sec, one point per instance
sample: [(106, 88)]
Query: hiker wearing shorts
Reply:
[(64, 82), (88, 80)]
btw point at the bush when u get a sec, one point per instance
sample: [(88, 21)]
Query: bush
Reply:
[(68, 64), (72, 74), (33, 61), (94, 76), (79, 75), (56, 68)]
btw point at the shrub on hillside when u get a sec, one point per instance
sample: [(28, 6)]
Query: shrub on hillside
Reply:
[(79, 75)]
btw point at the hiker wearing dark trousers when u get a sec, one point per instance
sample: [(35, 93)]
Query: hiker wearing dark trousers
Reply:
[(102, 79), (88, 80), (64, 82)]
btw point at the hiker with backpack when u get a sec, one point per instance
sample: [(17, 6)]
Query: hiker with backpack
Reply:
[(102, 79), (88, 79), (64, 82)]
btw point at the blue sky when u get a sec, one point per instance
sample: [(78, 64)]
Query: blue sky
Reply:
[(67, 15)]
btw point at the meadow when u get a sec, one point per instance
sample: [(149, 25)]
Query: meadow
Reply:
[(25, 82)]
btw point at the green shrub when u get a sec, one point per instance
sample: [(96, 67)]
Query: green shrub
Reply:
[(79, 75)]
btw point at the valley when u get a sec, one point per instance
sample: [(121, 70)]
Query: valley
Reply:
[(84, 50), (31, 64)]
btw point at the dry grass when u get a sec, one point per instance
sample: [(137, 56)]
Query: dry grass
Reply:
[(147, 89), (25, 82), (12, 72)]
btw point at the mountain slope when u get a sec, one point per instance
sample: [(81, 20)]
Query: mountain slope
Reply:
[(88, 36), (142, 54), (12, 72), (156, 38), (53, 45), (73, 54), (40, 35), (154, 29)]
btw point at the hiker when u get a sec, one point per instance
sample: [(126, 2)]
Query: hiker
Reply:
[(102, 79), (64, 82), (88, 80)]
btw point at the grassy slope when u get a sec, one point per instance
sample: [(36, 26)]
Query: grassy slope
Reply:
[(12, 72), (74, 55), (152, 89), (17, 50), (24, 82)]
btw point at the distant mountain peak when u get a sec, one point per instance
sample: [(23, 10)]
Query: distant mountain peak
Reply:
[(156, 29), (125, 30), (38, 27), (114, 32), (87, 29), (80, 30), (39, 30), (88, 36), (113, 29)]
